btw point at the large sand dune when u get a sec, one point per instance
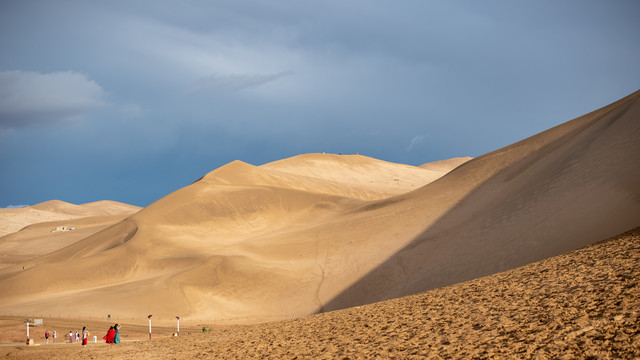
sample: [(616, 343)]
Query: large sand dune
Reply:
[(579, 305), (321, 232)]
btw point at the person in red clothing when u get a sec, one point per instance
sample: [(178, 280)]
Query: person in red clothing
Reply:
[(110, 334), (85, 336)]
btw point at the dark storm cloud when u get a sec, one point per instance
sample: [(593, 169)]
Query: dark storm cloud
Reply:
[(28, 98), (189, 86), (234, 82)]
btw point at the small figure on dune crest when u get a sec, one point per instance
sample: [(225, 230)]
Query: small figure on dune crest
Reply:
[(85, 336), (70, 336), (54, 336), (46, 336), (116, 336)]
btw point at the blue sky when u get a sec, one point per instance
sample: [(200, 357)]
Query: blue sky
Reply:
[(131, 100)]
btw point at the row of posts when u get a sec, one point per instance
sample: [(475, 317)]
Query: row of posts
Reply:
[(177, 325), (29, 341)]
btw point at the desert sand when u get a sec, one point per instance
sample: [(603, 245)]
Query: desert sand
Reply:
[(584, 304), (316, 233), (12, 220), (307, 190), (52, 225)]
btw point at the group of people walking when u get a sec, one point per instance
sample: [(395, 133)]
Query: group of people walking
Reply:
[(76, 337), (73, 337), (48, 334), (113, 335)]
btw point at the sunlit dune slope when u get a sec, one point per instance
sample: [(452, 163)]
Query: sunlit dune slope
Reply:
[(379, 179), (12, 220), (43, 238), (183, 239), (321, 232), (112, 207), (61, 207), (445, 165)]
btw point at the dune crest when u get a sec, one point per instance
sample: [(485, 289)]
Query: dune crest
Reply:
[(446, 165)]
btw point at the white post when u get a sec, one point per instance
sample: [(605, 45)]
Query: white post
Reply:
[(178, 319), (27, 330), (149, 327)]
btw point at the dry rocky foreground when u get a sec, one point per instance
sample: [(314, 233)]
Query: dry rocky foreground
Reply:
[(584, 304)]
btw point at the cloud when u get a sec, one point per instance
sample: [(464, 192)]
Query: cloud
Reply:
[(235, 82), (29, 98), (416, 140), (130, 111)]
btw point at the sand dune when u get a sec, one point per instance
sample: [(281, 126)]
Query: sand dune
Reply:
[(62, 207), (112, 207), (579, 305), (380, 179), (193, 231), (53, 225), (42, 238), (12, 220), (559, 190), (445, 165), (322, 232)]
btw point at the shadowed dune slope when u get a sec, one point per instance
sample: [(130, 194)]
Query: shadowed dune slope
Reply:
[(321, 232), (556, 191)]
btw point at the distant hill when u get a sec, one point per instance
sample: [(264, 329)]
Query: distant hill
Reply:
[(12, 220)]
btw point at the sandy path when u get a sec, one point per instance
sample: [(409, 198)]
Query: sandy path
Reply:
[(582, 304), (13, 328)]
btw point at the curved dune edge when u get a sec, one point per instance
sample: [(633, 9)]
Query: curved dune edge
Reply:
[(258, 243), (580, 304)]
